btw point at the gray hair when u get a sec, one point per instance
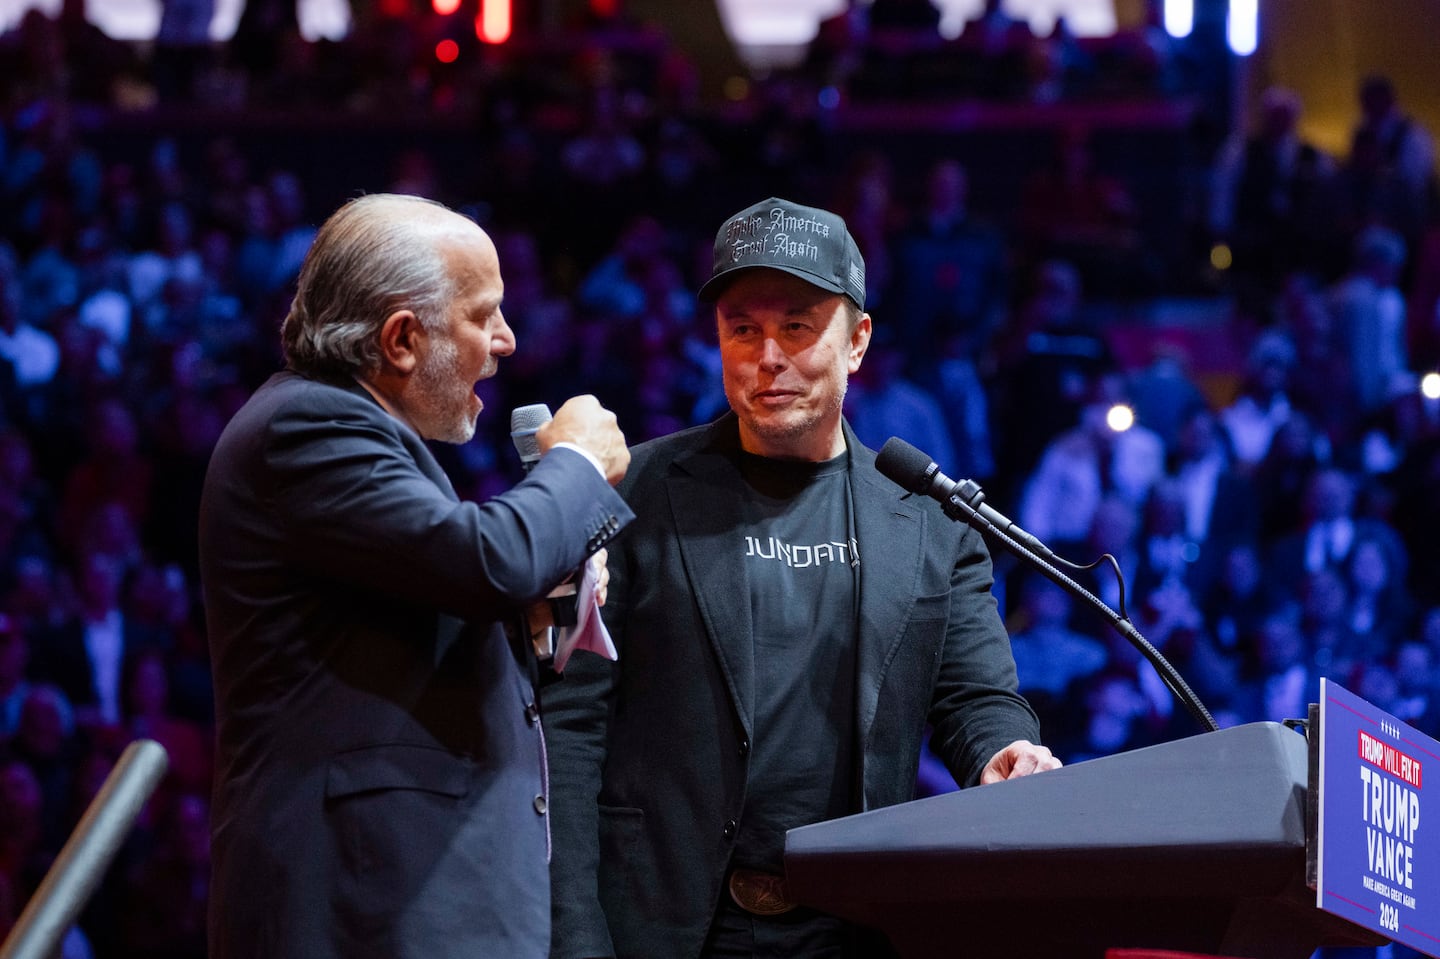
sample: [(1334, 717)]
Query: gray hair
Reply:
[(376, 254)]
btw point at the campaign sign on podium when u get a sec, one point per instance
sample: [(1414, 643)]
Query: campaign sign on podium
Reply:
[(1378, 854)]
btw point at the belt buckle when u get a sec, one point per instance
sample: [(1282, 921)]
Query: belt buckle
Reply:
[(761, 893)]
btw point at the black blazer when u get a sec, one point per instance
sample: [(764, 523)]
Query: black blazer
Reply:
[(649, 755), (379, 769)]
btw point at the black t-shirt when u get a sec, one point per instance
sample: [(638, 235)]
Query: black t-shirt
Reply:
[(797, 540)]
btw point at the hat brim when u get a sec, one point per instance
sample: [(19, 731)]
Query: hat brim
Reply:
[(715, 286)]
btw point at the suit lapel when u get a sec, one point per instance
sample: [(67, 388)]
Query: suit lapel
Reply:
[(431, 467), (424, 459), (706, 499), (448, 629), (890, 531)]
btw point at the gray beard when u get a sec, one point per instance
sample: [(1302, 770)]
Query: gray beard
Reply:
[(444, 409)]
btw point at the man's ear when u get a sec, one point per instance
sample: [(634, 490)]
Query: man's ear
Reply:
[(859, 342), (399, 341)]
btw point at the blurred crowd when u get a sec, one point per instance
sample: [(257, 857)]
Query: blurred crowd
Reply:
[(900, 48), (1269, 500)]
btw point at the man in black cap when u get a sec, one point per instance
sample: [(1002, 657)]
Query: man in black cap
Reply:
[(788, 620)]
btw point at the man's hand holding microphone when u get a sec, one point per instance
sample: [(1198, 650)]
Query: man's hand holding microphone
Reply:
[(582, 422)]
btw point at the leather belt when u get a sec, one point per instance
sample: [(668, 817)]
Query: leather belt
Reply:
[(760, 893)]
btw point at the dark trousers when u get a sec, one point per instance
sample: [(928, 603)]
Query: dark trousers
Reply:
[(799, 934)]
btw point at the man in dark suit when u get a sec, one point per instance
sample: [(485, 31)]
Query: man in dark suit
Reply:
[(380, 770), (788, 621)]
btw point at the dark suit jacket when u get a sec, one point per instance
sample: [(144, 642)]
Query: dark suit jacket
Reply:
[(662, 737), (380, 769)]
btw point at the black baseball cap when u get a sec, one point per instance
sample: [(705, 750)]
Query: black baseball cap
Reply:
[(803, 241)]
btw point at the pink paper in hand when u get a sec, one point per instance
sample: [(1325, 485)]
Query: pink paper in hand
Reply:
[(589, 631)]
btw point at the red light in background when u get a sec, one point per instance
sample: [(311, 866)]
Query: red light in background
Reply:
[(394, 8), (445, 7), (604, 8), (447, 51), (492, 24)]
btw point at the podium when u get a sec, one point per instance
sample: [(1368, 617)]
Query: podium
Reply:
[(1196, 845)]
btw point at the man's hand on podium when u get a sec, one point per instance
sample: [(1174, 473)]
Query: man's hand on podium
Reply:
[(1020, 758)]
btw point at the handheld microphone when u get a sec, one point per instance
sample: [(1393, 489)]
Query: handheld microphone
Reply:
[(525, 421), (917, 472)]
